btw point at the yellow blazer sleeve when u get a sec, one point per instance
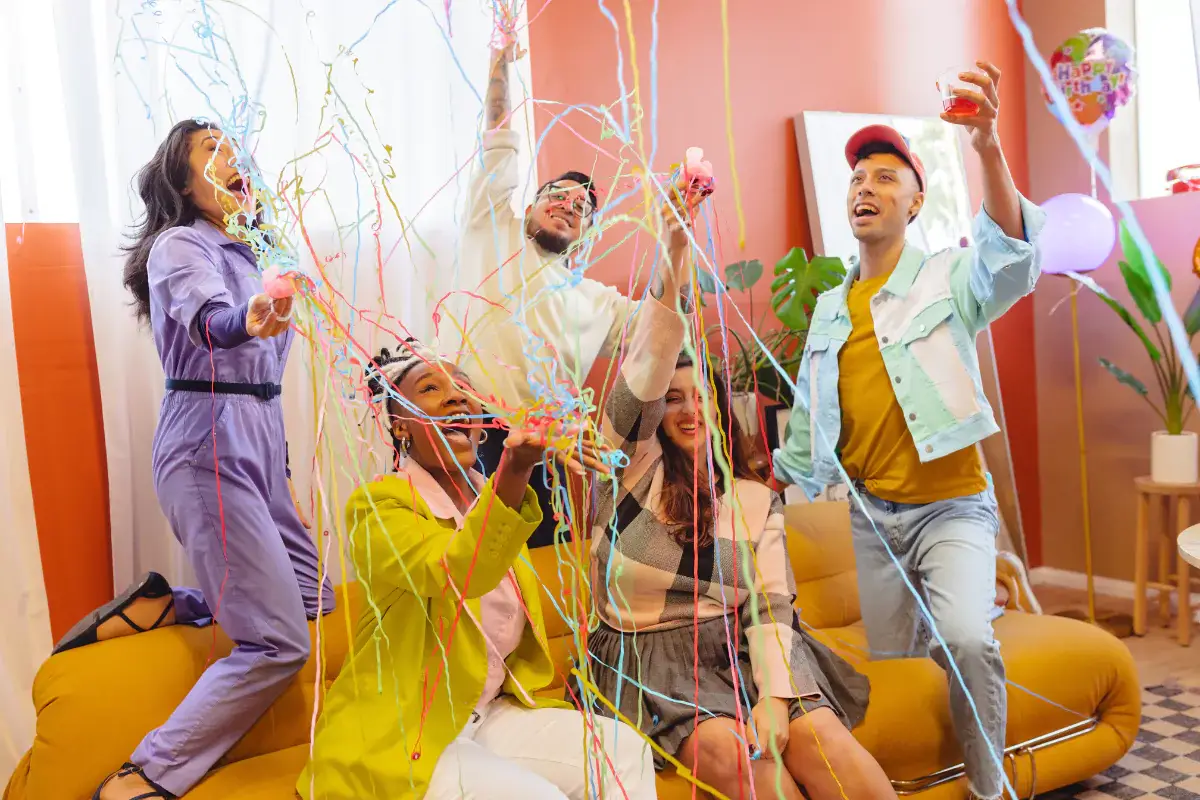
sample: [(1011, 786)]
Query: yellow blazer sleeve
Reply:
[(399, 545)]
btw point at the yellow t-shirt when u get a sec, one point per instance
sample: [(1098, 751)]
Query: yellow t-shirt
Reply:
[(875, 445)]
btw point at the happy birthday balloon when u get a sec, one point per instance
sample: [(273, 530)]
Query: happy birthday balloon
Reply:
[(1095, 72)]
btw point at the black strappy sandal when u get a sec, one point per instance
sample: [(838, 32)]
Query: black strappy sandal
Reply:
[(156, 791), (151, 586)]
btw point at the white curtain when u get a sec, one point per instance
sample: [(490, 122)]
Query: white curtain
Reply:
[(374, 106), (24, 614)]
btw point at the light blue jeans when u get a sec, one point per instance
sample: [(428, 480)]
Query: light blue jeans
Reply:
[(947, 550)]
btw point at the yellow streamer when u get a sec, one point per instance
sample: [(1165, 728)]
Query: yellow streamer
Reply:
[(737, 186)]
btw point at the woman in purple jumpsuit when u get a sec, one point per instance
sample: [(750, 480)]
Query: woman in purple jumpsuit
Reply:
[(219, 462)]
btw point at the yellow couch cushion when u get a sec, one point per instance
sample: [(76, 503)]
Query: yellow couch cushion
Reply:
[(823, 563), (94, 704), (266, 777)]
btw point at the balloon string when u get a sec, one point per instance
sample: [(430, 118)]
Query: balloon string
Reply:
[(1083, 472)]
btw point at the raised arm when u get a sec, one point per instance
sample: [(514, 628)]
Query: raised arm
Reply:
[(497, 101), (636, 403), (397, 546), (1005, 264), (494, 179), (669, 283)]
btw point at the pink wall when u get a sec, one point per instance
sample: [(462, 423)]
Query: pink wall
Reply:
[(1117, 423), (875, 56)]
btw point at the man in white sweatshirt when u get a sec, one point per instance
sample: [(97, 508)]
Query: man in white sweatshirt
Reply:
[(536, 325)]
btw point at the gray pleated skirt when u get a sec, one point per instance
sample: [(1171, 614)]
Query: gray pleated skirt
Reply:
[(661, 701)]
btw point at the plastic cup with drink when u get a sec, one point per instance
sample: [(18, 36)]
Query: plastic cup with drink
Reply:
[(953, 104)]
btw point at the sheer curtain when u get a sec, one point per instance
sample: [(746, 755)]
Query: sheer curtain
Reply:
[(372, 109), (24, 616), (24, 165)]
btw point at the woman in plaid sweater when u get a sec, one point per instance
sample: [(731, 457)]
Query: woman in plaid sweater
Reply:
[(685, 578)]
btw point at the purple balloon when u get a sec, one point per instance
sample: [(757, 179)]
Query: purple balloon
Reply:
[(1079, 234)]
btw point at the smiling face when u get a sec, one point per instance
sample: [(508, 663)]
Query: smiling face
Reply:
[(559, 215), (215, 185), (683, 420), (884, 196), (445, 431)]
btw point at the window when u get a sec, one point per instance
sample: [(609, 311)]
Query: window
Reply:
[(1168, 92), (36, 179)]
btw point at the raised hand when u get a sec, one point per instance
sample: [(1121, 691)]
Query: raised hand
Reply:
[(981, 124), (267, 317), (564, 444)]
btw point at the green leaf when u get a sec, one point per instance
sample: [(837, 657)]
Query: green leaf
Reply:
[(1142, 293), (1124, 377), (1137, 277), (708, 284), (742, 275), (1120, 310), (797, 283), (1191, 317)]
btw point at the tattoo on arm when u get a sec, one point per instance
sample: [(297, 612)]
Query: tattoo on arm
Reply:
[(658, 289), (497, 96)]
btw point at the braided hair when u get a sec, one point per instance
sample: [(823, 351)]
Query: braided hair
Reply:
[(387, 371)]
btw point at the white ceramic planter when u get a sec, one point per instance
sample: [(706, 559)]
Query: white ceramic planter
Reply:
[(745, 407), (1173, 459)]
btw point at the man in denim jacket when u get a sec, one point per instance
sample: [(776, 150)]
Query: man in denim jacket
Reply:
[(889, 386)]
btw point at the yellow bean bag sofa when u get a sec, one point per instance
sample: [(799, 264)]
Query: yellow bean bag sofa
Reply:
[(1074, 699)]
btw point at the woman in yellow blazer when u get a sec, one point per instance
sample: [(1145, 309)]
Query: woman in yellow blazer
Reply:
[(438, 697)]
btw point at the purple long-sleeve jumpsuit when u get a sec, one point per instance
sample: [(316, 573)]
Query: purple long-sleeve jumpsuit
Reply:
[(257, 571)]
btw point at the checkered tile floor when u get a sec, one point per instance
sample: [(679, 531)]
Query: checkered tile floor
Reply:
[(1165, 760)]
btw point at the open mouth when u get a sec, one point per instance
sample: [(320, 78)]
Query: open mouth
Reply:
[(457, 431), (236, 184), (688, 428), (864, 210)]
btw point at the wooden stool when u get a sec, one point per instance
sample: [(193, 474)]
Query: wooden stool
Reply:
[(1182, 495)]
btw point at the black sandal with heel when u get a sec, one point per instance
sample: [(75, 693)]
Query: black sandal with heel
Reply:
[(156, 792), (151, 586)]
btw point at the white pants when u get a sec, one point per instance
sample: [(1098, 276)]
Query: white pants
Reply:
[(517, 753)]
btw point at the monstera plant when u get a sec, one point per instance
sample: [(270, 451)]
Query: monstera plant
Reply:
[(797, 282)]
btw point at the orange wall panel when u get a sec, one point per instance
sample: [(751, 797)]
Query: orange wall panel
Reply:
[(64, 429)]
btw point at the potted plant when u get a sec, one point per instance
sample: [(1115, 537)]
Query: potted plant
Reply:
[(753, 371), (1173, 451)]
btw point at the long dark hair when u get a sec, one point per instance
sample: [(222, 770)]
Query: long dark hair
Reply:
[(683, 495), (160, 183)]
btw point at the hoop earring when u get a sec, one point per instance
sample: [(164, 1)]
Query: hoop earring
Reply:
[(402, 451), (483, 434)]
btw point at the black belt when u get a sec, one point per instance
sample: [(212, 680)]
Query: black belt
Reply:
[(263, 391)]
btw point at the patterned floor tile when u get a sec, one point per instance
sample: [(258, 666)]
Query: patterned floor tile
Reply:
[(1163, 763)]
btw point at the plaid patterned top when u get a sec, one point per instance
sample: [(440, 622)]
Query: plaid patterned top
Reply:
[(642, 579)]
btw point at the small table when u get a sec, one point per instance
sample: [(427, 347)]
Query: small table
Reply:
[(1181, 496), (1189, 546), (1189, 556)]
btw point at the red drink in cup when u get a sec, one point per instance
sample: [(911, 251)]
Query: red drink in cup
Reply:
[(952, 104)]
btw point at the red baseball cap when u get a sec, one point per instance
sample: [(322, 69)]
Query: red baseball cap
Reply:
[(882, 134)]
